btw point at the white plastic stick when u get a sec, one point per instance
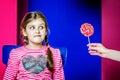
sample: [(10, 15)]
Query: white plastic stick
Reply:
[(88, 39)]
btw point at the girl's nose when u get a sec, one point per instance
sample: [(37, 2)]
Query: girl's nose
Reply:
[(37, 30)]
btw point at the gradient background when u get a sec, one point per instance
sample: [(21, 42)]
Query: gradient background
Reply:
[(64, 19)]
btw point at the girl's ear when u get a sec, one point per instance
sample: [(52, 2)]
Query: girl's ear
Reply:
[(24, 32)]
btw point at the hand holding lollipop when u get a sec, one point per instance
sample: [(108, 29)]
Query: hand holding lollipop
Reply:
[(87, 30)]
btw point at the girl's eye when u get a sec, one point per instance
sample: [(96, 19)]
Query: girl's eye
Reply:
[(41, 27), (32, 27)]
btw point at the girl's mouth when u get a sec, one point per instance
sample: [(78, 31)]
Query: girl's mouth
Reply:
[(37, 36)]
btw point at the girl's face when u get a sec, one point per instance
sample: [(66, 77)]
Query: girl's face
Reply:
[(35, 31)]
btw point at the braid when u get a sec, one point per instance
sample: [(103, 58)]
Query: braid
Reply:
[(49, 57), (46, 40)]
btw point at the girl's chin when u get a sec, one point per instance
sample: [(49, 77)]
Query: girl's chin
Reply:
[(37, 42)]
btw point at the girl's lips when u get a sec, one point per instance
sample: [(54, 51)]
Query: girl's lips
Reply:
[(37, 36)]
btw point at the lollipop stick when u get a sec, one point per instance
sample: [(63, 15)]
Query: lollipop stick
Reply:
[(88, 39)]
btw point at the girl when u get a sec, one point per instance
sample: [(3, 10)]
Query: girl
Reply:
[(34, 60)]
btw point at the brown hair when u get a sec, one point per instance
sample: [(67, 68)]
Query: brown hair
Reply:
[(28, 18)]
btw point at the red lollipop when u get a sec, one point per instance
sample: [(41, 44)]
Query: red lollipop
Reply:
[(87, 30)]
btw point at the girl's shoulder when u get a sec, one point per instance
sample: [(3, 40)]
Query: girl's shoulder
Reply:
[(21, 48), (54, 48), (18, 50)]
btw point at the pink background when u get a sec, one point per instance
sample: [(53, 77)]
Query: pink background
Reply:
[(8, 27), (111, 37)]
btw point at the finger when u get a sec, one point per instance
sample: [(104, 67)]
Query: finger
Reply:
[(93, 48), (94, 44), (97, 53), (94, 53)]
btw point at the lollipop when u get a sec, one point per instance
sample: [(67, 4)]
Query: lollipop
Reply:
[(87, 30)]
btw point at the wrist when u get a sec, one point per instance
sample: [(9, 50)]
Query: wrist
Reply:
[(105, 52), (108, 53)]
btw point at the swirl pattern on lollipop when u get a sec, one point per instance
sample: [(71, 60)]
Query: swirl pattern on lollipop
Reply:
[(87, 29)]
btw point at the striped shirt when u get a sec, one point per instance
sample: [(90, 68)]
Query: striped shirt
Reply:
[(29, 64)]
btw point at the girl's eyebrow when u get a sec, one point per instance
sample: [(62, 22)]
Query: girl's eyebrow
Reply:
[(39, 24), (42, 24), (30, 25)]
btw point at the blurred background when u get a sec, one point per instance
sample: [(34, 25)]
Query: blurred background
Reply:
[(64, 20)]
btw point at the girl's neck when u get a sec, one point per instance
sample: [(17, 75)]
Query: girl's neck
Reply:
[(34, 46)]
